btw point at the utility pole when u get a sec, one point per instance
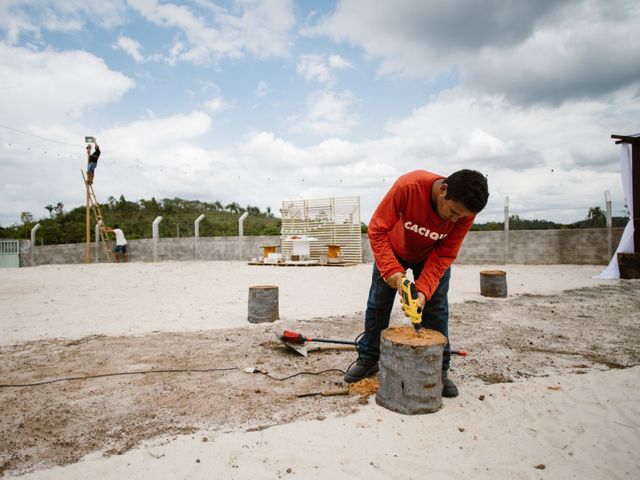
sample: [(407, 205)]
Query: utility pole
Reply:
[(629, 262), (87, 220)]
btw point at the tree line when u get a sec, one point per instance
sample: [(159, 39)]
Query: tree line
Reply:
[(136, 218), (178, 217), (596, 218)]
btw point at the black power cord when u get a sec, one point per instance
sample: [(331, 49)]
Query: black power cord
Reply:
[(116, 374), (266, 374), (180, 370)]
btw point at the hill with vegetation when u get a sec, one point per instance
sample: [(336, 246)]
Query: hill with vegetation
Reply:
[(136, 218)]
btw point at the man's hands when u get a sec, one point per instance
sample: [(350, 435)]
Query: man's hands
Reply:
[(395, 281)]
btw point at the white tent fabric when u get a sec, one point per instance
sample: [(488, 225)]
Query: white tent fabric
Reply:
[(626, 242)]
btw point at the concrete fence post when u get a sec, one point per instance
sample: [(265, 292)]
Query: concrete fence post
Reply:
[(197, 234), (33, 241), (241, 233), (506, 230), (156, 235), (607, 202), (97, 233)]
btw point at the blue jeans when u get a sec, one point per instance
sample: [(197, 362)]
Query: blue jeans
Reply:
[(381, 298)]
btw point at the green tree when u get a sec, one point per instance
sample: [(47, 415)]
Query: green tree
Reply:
[(26, 218), (233, 208), (596, 217), (59, 208)]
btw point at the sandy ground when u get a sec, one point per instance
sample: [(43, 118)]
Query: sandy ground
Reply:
[(550, 388)]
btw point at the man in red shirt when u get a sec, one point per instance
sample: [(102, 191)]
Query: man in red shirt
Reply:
[(419, 225)]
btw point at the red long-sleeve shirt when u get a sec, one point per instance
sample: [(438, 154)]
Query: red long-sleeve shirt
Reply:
[(407, 225)]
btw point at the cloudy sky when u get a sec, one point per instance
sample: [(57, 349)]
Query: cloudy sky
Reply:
[(263, 101)]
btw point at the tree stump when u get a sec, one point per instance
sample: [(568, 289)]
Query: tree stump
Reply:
[(493, 283), (263, 304), (411, 370), (629, 265)]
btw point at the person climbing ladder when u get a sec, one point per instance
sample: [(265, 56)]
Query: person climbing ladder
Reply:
[(92, 161)]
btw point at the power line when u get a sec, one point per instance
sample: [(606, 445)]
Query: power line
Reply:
[(40, 136)]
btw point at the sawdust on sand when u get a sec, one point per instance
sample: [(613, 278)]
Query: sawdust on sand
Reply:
[(408, 335), (366, 387)]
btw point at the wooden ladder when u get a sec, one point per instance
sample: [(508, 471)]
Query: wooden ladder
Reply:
[(95, 206)]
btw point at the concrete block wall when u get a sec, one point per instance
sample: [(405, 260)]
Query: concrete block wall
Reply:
[(169, 249), (207, 248), (533, 247), (529, 247), (549, 247), (482, 248), (52, 254)]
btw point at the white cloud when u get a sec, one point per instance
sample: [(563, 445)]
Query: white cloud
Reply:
[(337, 62), (130, 47), (262, 89), (147, 139), (264, 151), (216, 104), (312, 67), (524, 150), (43, 87), (320, 68), (261, 29), (140, 159), (34, 16), (545, 51), (571, 58), (528, 153), (328, 114)]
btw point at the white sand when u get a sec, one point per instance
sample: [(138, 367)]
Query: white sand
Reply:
[(74, 301), (588, 428)]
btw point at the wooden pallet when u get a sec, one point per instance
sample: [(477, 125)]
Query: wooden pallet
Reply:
[(304, 263)]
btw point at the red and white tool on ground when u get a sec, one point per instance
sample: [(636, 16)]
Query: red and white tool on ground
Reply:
[(298, 342)]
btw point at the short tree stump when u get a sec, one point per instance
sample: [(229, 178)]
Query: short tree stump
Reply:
[(629, 265), (493, 283), (411, 370), (263, 304)]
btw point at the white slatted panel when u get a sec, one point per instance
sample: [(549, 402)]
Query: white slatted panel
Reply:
[(331, 220)]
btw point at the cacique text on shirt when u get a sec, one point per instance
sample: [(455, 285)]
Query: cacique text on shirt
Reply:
[(424, 231)]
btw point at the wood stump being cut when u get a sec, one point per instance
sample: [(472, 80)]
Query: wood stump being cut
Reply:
[(411, 370), (263, 304), (493, 283)]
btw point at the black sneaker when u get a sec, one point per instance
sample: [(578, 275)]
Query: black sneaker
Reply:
[(449, 389), (361, 369)]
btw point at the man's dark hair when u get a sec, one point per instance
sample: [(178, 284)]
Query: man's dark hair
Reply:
[(468, 187), (116, 226)]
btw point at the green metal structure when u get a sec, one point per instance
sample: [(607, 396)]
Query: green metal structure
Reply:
[(9, 253)]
